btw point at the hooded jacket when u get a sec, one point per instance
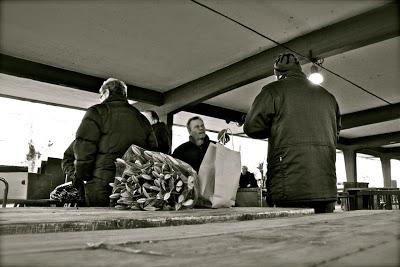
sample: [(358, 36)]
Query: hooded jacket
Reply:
[(302, 123), (107, 130)]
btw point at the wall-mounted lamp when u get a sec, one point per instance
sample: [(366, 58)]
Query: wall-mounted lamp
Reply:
[(315, 77)]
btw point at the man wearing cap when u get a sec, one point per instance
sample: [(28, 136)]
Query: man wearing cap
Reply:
[(107, 130), (302, 123)]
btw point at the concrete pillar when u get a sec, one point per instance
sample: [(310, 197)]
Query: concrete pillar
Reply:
[(350, 163), (163, 118), (387, 177)]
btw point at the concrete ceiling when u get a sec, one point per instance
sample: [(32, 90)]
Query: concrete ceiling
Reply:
[(164, 49)]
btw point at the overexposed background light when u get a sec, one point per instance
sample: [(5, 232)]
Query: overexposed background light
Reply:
[(50, 128), (53, 128)]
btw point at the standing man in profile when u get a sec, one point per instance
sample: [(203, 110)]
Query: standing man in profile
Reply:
[(302, 123), (160, 130), (107, 130)]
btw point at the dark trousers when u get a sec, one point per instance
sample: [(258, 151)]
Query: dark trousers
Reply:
[(97, 193)]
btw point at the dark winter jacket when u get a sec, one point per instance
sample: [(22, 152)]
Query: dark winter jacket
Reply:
[(67, 163), (105, 133), (192, 154), (163, 137), (247, 180), (302, 122)]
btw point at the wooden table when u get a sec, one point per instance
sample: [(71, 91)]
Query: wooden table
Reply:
[(46, 220), (355, 238)]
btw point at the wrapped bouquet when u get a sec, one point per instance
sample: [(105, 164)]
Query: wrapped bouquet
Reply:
[(152, 181)]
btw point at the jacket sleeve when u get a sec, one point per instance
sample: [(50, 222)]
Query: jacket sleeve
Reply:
[(86, 144), (67, 163), (259, 119)]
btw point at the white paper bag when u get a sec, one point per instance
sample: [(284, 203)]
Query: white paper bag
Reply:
[(219, 176)]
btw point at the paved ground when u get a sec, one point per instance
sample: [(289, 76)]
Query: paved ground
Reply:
[(356, 238)]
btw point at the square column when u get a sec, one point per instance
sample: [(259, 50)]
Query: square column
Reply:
[(350, 163), (386, 171)]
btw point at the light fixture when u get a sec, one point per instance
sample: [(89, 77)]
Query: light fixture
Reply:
[(315, 77)]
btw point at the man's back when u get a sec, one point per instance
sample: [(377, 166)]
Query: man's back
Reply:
[(305, 113), (301, 121), (106, 132), (122, 125)]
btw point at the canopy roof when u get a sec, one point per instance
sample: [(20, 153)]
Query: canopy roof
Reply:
[(190, 56)]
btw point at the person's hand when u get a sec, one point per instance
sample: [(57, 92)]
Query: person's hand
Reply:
[(76, 183), (223, 136)]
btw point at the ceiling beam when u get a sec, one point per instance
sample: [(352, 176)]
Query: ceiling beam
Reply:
[(371, 116), (392, 153), (42, 102), (358, 31), (368, 145), (49, 74), (350, 120), (372, 141), (226, 114)]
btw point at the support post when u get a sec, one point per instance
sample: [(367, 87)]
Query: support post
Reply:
[(387, 177), (350, 163)]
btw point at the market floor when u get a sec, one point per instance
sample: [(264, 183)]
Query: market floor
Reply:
[(356, 238)]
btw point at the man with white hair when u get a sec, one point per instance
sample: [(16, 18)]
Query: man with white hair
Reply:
[(105, 133)]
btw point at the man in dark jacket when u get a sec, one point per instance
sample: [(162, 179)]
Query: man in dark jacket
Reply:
[(160, 130), (247, 179), (193, 151), (107, 130), (302, 123)]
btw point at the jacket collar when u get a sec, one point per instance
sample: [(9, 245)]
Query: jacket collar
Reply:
[(295, 74), (113, 98)]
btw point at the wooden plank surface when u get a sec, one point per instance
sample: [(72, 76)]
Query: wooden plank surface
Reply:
[(356, 238), (44, 220)]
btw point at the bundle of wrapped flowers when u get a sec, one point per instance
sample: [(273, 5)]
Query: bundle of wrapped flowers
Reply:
[(149, 180)]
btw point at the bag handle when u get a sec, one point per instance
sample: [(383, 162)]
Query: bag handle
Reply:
[(223, 136)]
